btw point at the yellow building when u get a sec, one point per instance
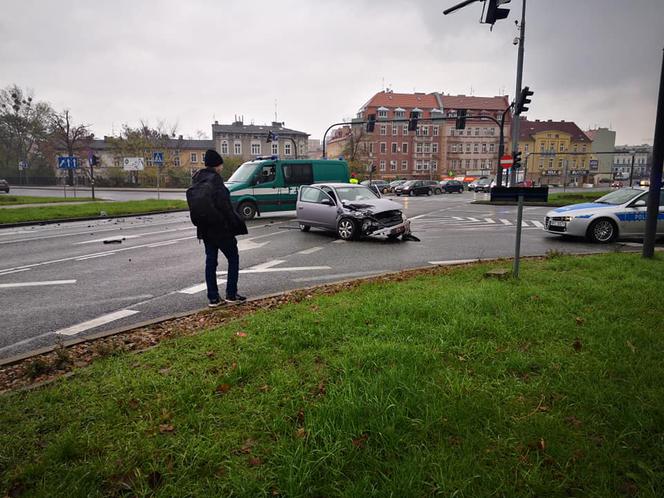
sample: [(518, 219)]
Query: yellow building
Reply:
[(555, 152)]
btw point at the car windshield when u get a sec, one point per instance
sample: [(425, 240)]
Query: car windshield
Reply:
[(408, 183), (243, 173), (354, 194), (619, 196)]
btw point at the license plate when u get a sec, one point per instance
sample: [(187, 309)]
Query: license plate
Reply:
[(556, 223), (397, 230)]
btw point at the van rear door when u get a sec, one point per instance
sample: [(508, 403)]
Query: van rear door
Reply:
[(294, 175)]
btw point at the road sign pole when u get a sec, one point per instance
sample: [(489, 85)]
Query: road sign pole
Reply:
[(517, 248)]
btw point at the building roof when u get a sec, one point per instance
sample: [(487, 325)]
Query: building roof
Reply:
[(429, 101), (529, 128), (239, 127)]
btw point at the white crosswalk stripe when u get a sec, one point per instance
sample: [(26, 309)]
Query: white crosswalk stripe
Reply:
[(471, 222)]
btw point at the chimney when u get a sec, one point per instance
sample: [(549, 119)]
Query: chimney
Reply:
[(277, 124)]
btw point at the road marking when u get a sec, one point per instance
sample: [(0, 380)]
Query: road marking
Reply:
[(453, 262), (311, 250), (247, 244), (537, 223), (97, 322), (339, 241), (100, 255), (457, 218), (161, 244), (268, 264), (489, 220), (505, 222), (473, 219), (14, 271), (195, 289), (37, 284), (118, 237), (273, 270)]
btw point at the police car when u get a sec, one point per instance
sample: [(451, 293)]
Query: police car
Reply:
[(621, 213)]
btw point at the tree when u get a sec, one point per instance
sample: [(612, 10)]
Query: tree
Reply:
[(70, 138), (356, 150), (24, 126)]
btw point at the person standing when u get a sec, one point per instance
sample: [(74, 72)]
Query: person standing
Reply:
[(217, 224)]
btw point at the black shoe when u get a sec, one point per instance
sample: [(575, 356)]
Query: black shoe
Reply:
[(213, 303), (237, 298)]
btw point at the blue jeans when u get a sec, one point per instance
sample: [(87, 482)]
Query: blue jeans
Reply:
[(228, 247)]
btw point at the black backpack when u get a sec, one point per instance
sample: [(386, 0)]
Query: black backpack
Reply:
[(202, 211)]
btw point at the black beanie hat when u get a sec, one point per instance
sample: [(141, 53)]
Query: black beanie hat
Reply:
[(212, 158)]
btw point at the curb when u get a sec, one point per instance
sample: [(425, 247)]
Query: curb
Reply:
[(89, 218)]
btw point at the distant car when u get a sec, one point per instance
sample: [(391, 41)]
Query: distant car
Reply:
[(4, 185), (483, 185), (616, 184), (450, 186), (349, 210), (621, 213), (381, 185), (473, 184), (435, 186), (414, 187), (395, 184)]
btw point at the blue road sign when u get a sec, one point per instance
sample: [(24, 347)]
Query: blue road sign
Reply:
[(158, 158), (68, 162)]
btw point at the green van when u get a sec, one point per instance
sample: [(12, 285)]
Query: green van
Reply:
[(271, 184)]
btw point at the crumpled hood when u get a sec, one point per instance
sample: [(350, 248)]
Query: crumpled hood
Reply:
[(377, 206)]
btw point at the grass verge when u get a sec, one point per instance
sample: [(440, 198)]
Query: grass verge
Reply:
[(564, 198), (9, 200), (91, 209), (444, 384)]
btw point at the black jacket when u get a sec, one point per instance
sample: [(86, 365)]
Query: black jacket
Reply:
[(230, 224)]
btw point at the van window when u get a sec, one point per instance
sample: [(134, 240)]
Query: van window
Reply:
[(298, 174)]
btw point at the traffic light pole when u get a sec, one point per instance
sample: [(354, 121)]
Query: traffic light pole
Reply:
[(519, 76)]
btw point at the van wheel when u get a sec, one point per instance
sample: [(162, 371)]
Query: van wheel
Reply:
[(304, 228), (346, 229), (247, 210)]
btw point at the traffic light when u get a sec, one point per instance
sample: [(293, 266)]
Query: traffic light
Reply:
[(523, 101), (371, 123), (516, 160), (412, 122), (461, 119), (373, 168), (270, 137), (94, 160), (494, 13)]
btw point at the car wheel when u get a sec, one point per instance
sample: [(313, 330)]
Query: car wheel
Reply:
[(411, 193), (438, 191), (398, 194), (429, 192), (247, 210), (602, 231), (346, 229), (304, 228), (386, 190)]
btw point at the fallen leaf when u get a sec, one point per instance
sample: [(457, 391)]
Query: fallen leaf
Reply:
[(577, 345), (165, 428), (233, 366), (222, 388), (361, 441), (301, 433), (541, 445), (631, 347), (133, 403), (573, 421), (247, 446), (210, 354), (535, 297), (579, 320), (255, 462), (264, 388), (300, 417), (241, 334), (165, 371)]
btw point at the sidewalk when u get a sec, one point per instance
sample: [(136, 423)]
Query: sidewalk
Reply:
[(44, 204)]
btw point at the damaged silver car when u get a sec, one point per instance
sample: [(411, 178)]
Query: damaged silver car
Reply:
[(352, 211)]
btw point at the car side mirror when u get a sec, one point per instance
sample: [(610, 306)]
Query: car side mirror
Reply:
[(639, 203)]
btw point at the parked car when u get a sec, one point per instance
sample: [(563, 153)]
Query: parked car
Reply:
[(616, 184), (483, 185), (381, 185), (435, 186), (450, 186), (621, 213), (395, 184), (4, 185), (473, 184), (414, 187), (350, 210)]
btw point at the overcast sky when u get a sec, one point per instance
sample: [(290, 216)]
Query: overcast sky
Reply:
[(595, 62)]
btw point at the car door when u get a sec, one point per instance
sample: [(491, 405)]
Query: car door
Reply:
[(633, 216), (316, 208)]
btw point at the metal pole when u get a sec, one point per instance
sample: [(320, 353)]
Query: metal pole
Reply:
[(565, 163), (631, 170), (655, 175), (92, 180), (501, 152), (157, 181), (519, 75), (517, 248)]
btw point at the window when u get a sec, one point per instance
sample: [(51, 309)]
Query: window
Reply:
[(176, 159), (483, 148), (194, 157), (383, 129), (382, 164), (404, 132), (562, 147), (275, 148), (454, 148), (404, 165), (400, 114), (393, 165), (394, 148), (468, 148), (435, 131), (404, 147), (148, 161), (418, 148), (267, 174), (237, 148), (425, 148), (371, 148), (418, 165), (425, 166), (434, 165), (311, 194), (492, 147), (395, 130), (425, 131), (477, 132), (451, 132), (475, 163), (467, 163), (525, 148), (434, 148), (492, 131), (484, 131), (255, 149), (382, 113), (224, 148), (383, 148), (287, 149), (298, 174)]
